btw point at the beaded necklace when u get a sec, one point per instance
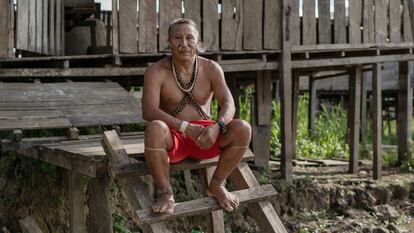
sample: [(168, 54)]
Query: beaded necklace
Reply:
[(185, 87)]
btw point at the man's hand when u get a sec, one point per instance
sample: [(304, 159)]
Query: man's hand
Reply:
[(193, 131), (208, 136)]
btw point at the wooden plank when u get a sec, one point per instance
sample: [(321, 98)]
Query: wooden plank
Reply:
[(295, 104), (29, 225), (207, 204), (395, 21), (4, 27), (73, 72), (354, 116), (169, 10), (214, 219), (232, 25), (11, 28), (355, 22), (381, 20), (32, 26), (39, 26), (404, 107), (286, 96), (59, 29), (263, 212), (313, 105), (134, 189), (294, 20), (309, 22), (52, 41), (272, 29), (99, 203), (252, 28), (264, 97), (77, 218), (408, 35), (377, 120), (339, 22), (128, 17), (211, 35), (192, 10), (115, 27), (324, 22), (45, 23), (368, 35), (22, 21)]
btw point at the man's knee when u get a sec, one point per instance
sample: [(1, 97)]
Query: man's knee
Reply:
[(241, 127), (156, 129)]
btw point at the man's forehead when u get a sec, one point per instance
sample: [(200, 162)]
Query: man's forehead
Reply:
[(187, 27)]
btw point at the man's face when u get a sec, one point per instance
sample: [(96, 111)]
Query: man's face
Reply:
[(184, 40)]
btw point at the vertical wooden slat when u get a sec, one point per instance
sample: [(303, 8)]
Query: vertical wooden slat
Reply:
[(22, 35), (309, 22), (354, 116), (232, 25), (272, 28), (381, 21), (192, 10), (39, 21), (59, 29), (52, 47), (339, 22), (169, 10), (252, 28), (395, 21), (45, 19), (4, 27), (368, 22), (294, 21), (128, 17), (377, 120), (286, 95), (408, 20), (147, 31), (355, 18), (264, 96), (231, 81), (211, 25), (115, 27), (77, 220), (404, 114), (62, 26), (32, 26), (324, 22), (313, 105), (11, 29), (100, 218), (295, 104)]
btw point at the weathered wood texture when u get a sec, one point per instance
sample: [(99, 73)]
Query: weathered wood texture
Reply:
[(355, 22), (252, 29), (408, 35), (377, 120), (128, 18), (354, 116), (395, 20), (5, 27), (324, 22), (368, 22), (404, 110), (211, 25), (169, 10), (62, 105), (340, 22), (192, 10), (381, 20), (147, 26), (40, 26), (309, 22), (272, 27), (232, 25), (99, 203), (77, 218), (294, 21)]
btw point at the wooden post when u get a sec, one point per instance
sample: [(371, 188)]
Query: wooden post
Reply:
[(235, 92), (376, 119), (100, 218), (313, 105), (115, 27), (214, 220), (404, 111), (77, 222), (4, 27), (261, 118), (364, 111), (262, 212), (295, 102), (354, 116), (286, 95)]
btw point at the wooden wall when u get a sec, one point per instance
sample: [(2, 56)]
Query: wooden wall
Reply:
[(40, 26), (6, 28)]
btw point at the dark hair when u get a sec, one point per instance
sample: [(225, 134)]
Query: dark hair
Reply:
[(182, 21)]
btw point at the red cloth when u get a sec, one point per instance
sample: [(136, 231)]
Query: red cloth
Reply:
[(185, 147)]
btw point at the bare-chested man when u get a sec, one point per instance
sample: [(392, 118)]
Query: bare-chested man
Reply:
[(177, 95)]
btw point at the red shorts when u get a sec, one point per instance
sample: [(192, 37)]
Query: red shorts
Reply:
[(185, 147)]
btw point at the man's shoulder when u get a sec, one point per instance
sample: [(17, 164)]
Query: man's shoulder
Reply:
[(209, 64), (158, 67)]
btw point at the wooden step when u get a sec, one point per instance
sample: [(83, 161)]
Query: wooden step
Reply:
[(140, 168), (206, 205)]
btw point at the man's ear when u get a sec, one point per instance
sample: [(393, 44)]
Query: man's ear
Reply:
[(201, 47), (168, 45)]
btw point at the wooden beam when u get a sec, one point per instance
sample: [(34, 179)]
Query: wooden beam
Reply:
[(72, 72), (377, 120), (286, 94), (313, 105), (295, 103), (354, 116), (99, 202), (77, 218), (115, 27), (404, 114)]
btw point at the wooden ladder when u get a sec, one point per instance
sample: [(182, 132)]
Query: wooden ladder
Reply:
[(249, 191)]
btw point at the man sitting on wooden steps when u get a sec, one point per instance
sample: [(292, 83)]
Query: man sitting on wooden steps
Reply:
[(176, 101)]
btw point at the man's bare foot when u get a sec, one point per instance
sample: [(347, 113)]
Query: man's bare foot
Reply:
[(226, 199), (164, 203)]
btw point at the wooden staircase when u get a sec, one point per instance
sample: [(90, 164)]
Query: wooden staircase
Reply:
[(249, 191)]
